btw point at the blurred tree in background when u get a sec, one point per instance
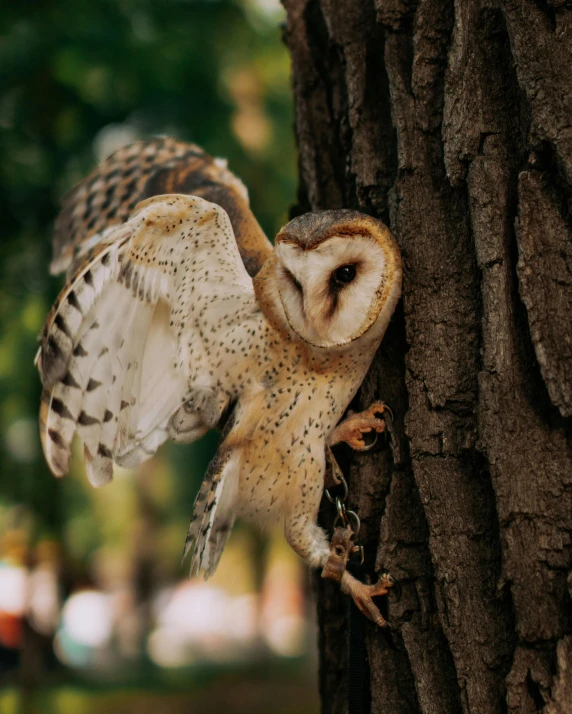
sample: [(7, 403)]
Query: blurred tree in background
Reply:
[(78, 79)]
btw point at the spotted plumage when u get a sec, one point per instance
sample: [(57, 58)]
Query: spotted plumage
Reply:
[(106, 198), (161, 332)]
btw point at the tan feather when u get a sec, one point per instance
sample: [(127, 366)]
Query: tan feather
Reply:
[(116, 375), (213, 516), (107, 196)]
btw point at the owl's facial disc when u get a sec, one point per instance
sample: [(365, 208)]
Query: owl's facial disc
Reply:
[(332, 292)]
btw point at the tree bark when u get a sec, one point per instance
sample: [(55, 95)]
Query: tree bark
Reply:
[(452, 122)]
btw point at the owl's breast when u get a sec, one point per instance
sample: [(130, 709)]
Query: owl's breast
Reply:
[(281, 436)]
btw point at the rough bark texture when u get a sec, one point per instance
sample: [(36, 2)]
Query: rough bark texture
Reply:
[(452, 121)]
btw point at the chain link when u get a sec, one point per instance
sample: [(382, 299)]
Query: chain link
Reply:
[(344, 485), (349, 519)]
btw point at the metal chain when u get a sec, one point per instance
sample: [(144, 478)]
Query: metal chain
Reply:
[(349, 519)]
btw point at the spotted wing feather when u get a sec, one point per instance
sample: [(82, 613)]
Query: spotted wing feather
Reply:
[(141, 170), (114, 354)]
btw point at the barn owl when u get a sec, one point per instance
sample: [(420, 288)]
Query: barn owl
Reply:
[(178, 316)]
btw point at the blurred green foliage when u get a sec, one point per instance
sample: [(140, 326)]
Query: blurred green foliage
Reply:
[(281, 690), (75, 74)]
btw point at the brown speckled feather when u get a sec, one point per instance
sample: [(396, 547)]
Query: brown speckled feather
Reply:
[(107, 196)]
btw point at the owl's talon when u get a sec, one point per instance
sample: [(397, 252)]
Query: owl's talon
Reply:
[(351, 430), (368, 447), (362, 595)]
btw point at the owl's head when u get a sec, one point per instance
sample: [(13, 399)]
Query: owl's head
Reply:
[(338, 276)]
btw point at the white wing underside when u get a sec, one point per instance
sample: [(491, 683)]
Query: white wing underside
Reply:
[(116, 354)]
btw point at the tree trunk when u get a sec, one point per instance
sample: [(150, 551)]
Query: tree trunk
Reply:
[(452, 122)]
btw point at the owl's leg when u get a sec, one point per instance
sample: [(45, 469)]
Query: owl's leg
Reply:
[(308, 540), (362, 595), (303, 533), (341, 546), (352, 429)]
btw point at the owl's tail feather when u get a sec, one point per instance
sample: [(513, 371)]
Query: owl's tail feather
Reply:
[(212, 519)]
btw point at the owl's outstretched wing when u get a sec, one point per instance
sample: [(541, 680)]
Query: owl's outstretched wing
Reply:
[(121, 345), (105, 199)]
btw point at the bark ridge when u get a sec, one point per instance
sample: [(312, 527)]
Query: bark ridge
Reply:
[(452, 121)]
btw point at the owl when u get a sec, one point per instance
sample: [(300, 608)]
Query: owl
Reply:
[(179, 316)]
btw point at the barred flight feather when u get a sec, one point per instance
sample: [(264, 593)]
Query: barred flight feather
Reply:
[(111, 355), (212, 518)]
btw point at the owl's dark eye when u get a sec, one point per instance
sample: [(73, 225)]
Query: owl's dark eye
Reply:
[(344, 274)]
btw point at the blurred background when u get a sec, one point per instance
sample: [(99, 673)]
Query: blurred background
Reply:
[(96, 612)]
